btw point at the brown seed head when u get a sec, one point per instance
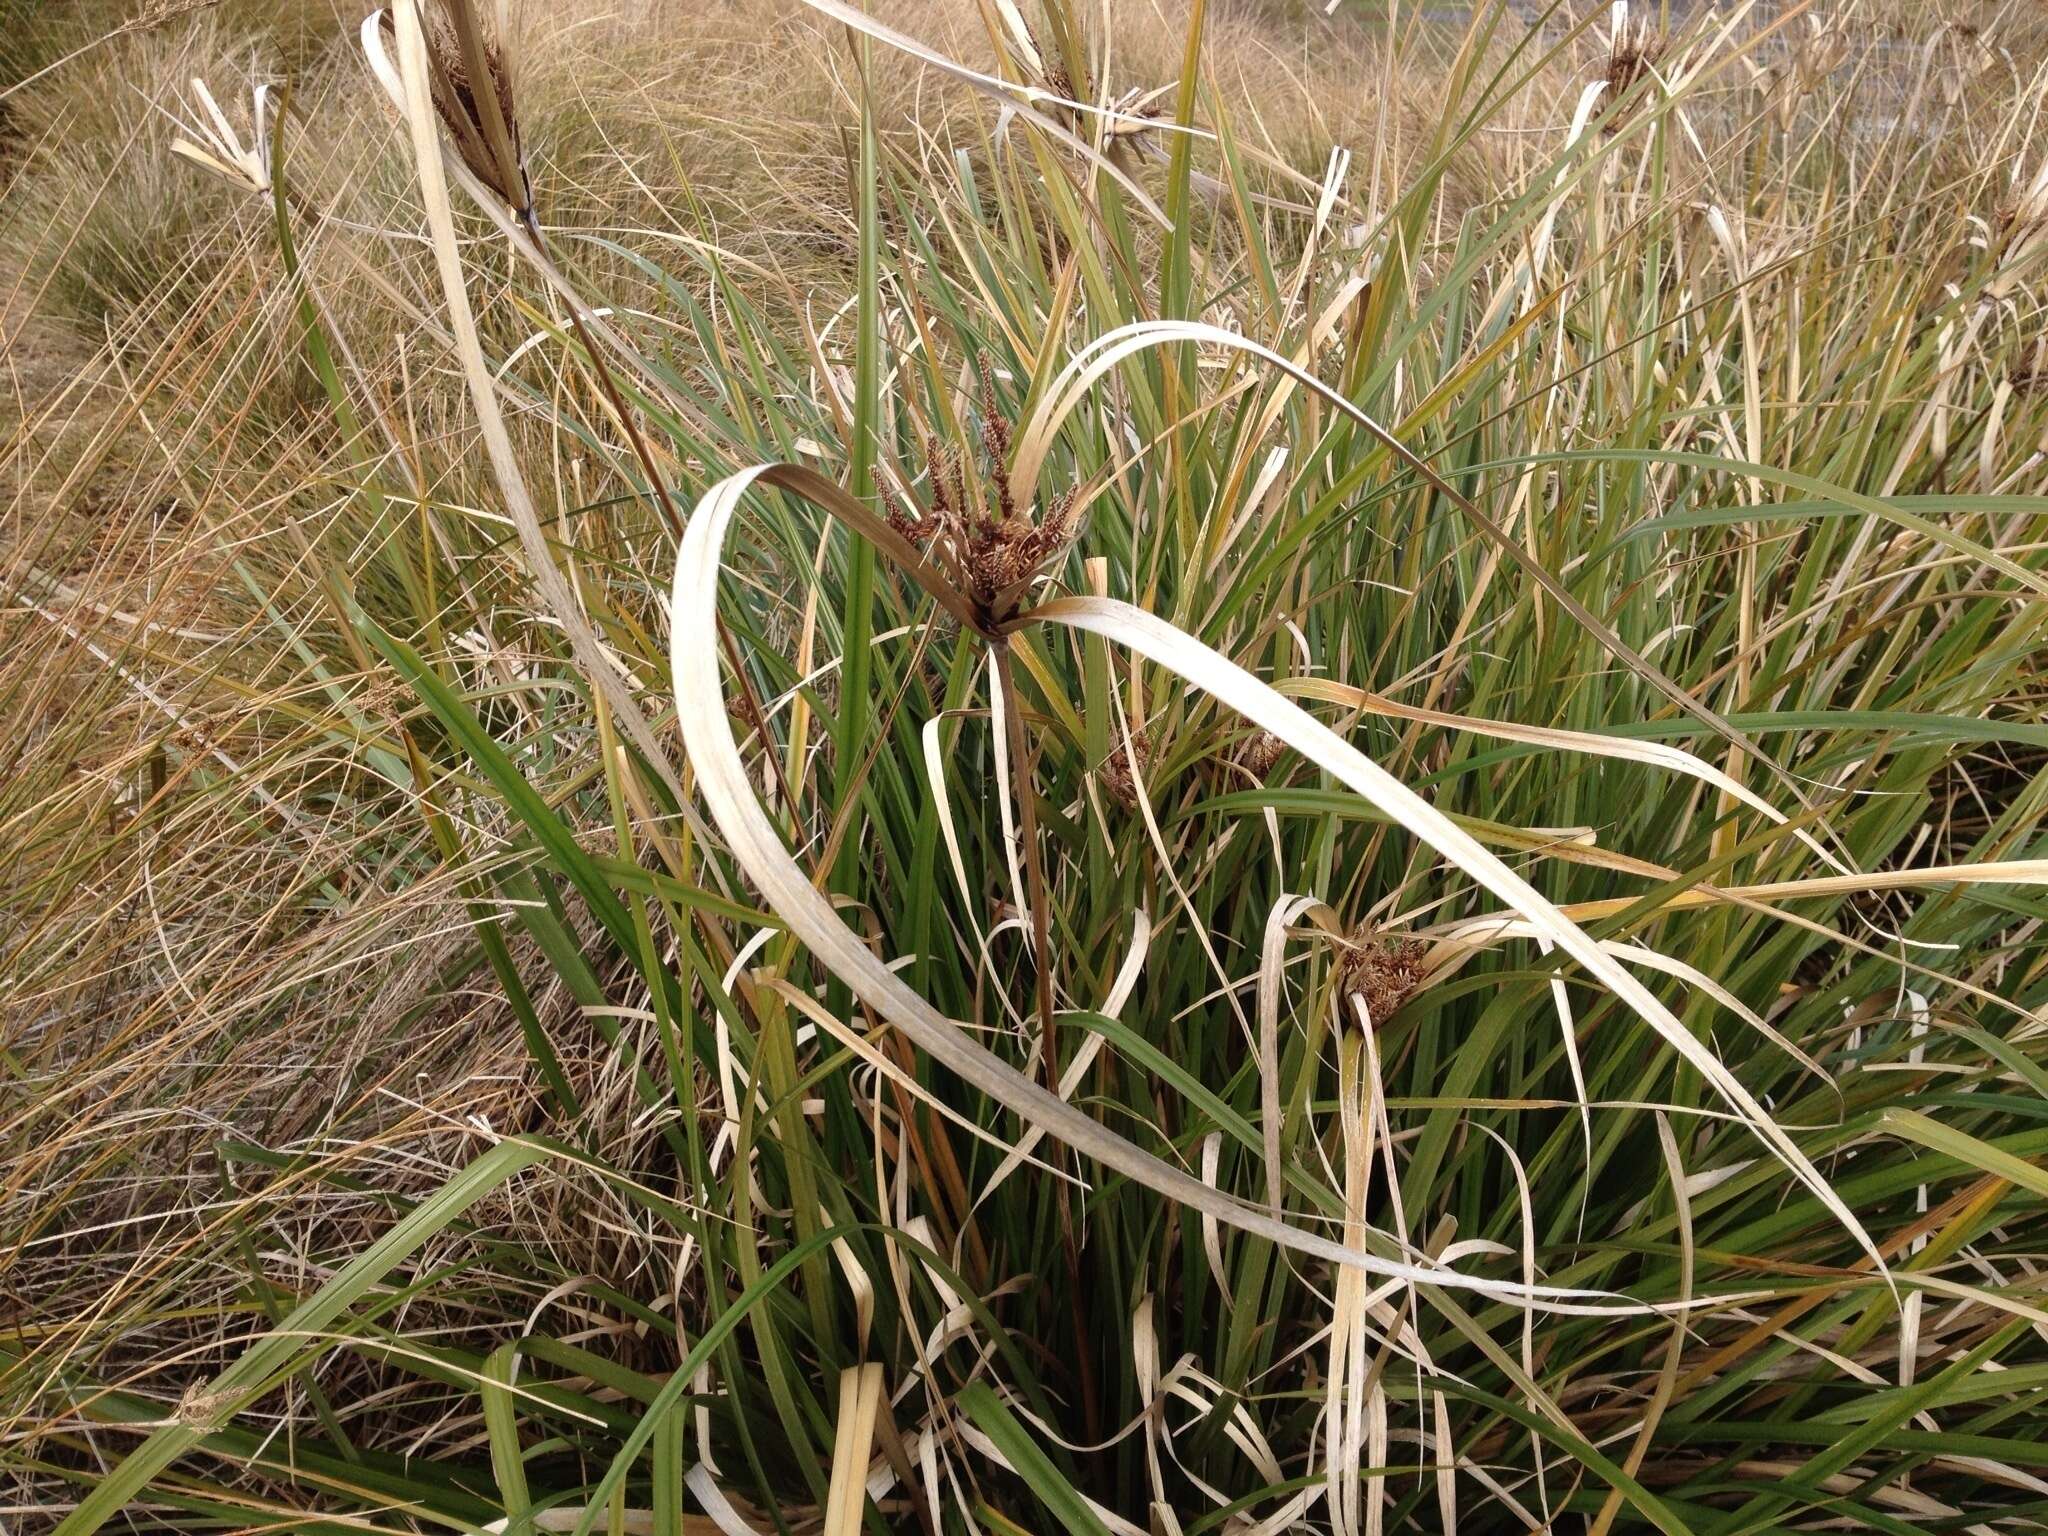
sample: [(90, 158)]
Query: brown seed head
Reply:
[(1382, 971), (2029, 377), (1632, 55), (1822, 51), (990, 547), (1052, 72), (1259, 753), (915, 529), (1119, 781), (471, 83), (1136, 111)]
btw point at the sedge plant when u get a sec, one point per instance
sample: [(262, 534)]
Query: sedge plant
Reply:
[(1241, 845)]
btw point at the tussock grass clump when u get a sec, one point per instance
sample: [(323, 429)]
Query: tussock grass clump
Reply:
[(1024, 769)]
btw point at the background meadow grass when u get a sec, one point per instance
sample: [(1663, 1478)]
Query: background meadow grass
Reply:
[(416, 1121)]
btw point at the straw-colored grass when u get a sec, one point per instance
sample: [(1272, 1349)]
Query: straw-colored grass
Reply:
[(1352, 840)]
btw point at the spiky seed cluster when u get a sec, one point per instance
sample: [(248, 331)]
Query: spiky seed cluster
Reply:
[(2029, 378), (219, 147), (1823, 50), (1815, 54), (2022, 233), (992, 551), (1130, 116), (1119, 781), (1052, 70), (1146, 107), (1632, 59), (1633, 51), (1382, 971), (1248, 761), (471, 84), (1969, 56), (1258, 754)]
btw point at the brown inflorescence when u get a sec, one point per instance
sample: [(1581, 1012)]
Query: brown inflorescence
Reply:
[(1632, 55), (990, 547), (482, 124), (1259, 753), (1380, 970), (1051, 69), (1119, 781)]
